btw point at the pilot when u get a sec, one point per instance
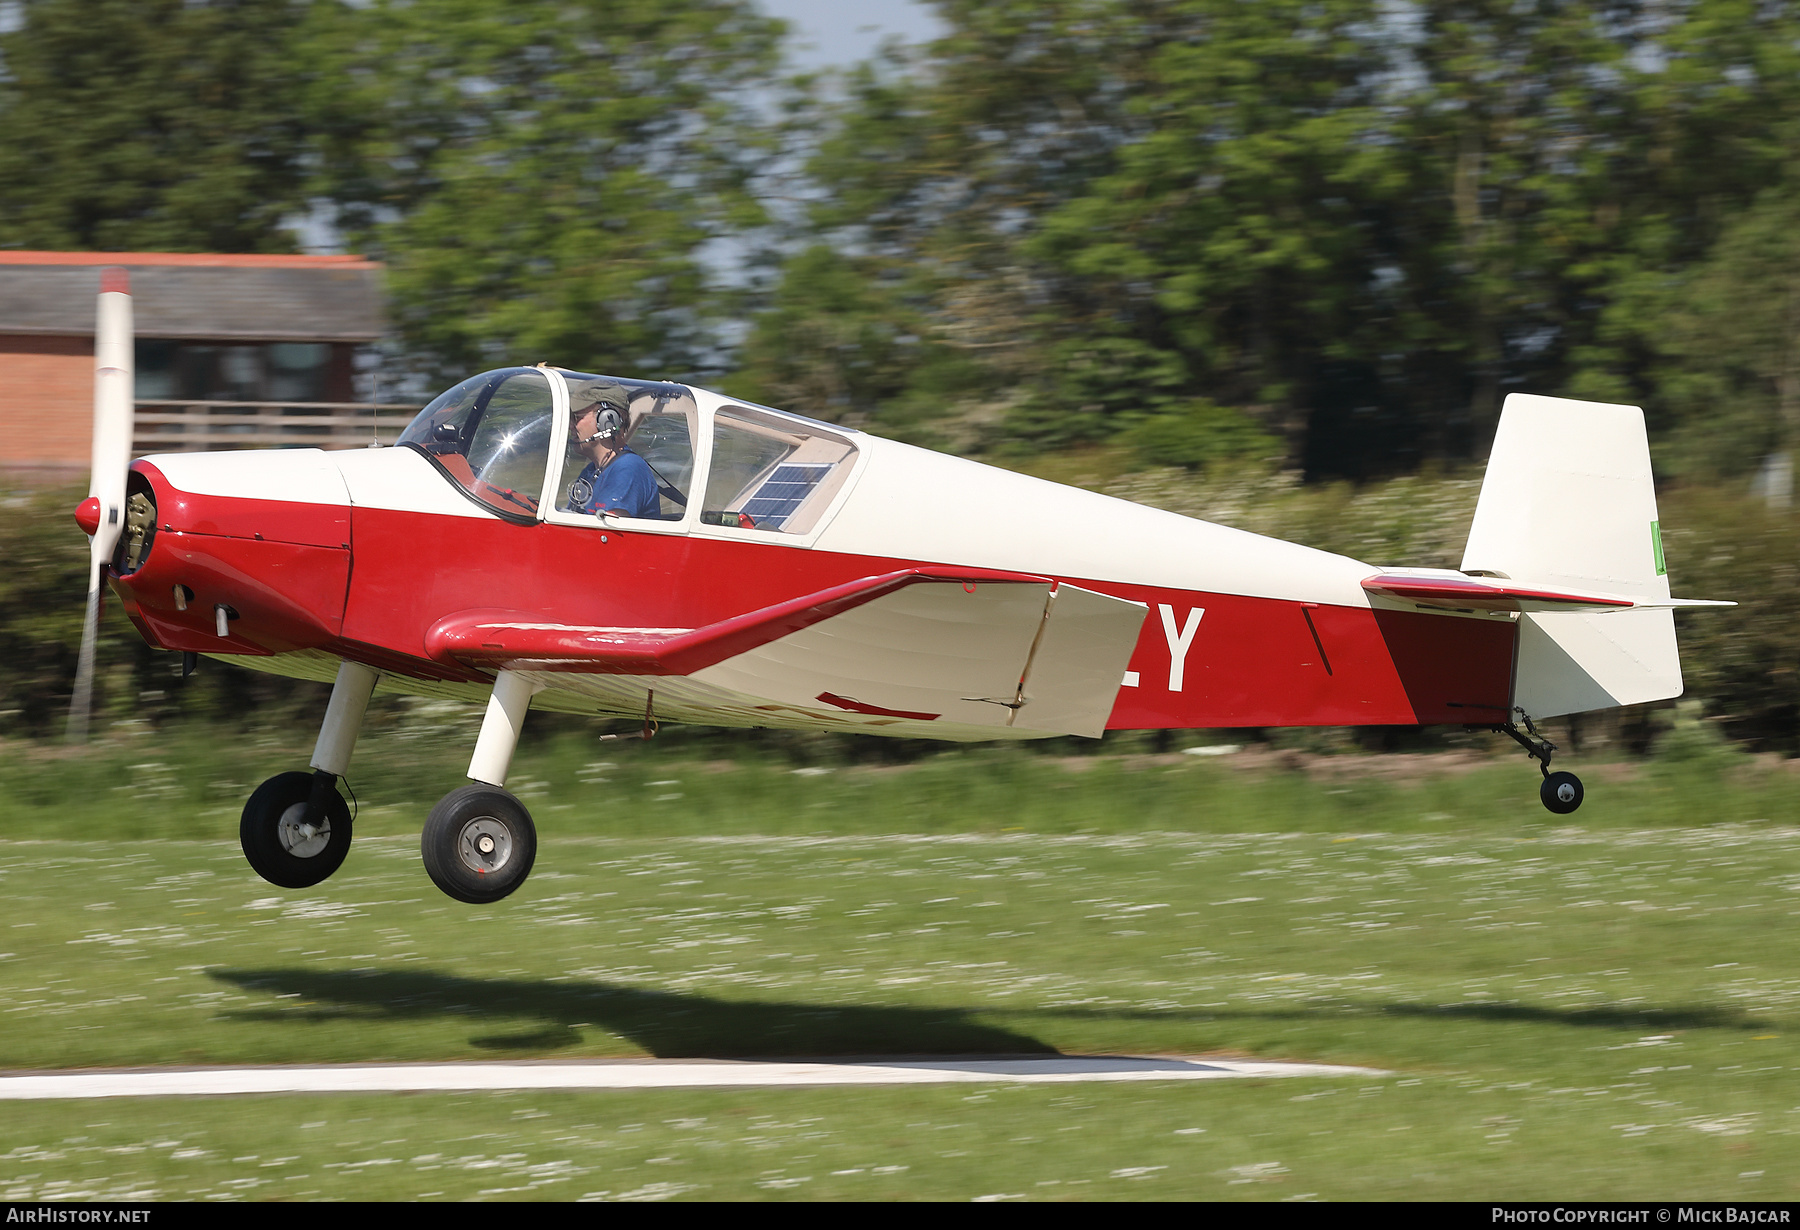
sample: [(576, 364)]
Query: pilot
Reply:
[(616, 480)]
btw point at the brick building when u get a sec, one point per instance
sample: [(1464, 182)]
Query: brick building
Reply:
[(232, 352)]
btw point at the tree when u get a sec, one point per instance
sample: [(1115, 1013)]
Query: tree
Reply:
[(1708, 151), (1731, 345), (544, 177), (933, 167), (1242, 230), (157, 125), (1358, 223), (1513, 118), (835, 342), (1122, 212)]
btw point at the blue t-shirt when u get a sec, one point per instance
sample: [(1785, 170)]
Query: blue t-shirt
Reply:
[(626, 488)]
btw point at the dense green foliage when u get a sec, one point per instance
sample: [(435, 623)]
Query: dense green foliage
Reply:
[(543, 178), (152, 125), (1727, 345), (1358, 224), (1331, 232)]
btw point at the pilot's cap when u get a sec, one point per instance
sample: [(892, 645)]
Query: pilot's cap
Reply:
[(601, 393)]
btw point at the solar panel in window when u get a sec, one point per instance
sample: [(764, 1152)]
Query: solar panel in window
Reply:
[(783, 492)]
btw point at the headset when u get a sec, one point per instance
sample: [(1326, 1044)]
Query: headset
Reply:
[(609, 424)]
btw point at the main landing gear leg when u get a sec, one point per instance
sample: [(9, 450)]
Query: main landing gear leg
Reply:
[(1561, 792), (296, 827), (479, 842)]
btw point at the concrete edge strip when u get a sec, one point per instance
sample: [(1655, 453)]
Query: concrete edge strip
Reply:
[(427, 1078)]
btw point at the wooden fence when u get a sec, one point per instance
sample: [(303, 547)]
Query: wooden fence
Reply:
[(209, 426)]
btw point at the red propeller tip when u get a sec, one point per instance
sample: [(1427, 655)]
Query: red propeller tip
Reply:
[(115, 278), (87, 516)]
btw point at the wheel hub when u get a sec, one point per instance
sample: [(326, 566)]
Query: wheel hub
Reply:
[(300, 839), (485, 845), (1566, 793)]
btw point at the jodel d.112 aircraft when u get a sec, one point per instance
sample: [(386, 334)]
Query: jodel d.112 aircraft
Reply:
[(640, 549)]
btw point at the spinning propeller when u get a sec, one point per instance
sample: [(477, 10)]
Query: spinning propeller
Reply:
[(102, 514)]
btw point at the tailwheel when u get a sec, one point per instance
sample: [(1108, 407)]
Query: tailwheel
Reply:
[(296, 829), (478, 844), (1561, 792)]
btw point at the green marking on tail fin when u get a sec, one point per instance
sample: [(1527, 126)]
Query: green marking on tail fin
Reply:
[(1662, 569)]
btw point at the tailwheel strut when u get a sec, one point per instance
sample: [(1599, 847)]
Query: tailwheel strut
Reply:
[(1560, 792)]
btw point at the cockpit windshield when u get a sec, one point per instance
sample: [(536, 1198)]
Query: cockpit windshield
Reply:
[(491, 436)]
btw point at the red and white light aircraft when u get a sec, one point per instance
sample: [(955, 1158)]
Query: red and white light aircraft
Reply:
[(800, 574)]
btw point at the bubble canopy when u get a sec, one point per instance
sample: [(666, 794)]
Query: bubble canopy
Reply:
[(508, 439), (493, 434)]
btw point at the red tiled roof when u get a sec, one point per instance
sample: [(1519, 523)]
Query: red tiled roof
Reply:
[(201, 296), (246, 260)]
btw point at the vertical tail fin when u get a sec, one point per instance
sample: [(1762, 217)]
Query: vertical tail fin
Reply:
[(1568, 501)]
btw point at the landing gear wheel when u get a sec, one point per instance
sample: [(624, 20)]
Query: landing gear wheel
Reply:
[(479, 844), (1561, 793), (281, 847)]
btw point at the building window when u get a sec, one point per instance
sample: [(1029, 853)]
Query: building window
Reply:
[(255, 371)]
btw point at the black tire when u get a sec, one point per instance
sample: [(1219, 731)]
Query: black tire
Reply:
[(1561, 793), (280, 854), (478, 844)]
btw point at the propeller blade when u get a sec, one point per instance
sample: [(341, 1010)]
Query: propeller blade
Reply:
[(83, 699), (114, 381)]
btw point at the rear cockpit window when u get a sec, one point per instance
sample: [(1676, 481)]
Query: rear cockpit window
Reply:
[(773, 473), (491, 436)]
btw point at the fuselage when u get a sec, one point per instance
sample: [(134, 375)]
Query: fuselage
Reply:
[(320, 556)]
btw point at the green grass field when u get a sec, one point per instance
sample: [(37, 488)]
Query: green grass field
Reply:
[(1603, 1009)]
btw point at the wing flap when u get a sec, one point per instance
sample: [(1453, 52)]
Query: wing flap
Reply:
[(1074, 674), (1045, 658), (932, 652)]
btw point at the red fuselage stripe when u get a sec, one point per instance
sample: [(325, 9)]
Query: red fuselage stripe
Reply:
[(1202, 659)]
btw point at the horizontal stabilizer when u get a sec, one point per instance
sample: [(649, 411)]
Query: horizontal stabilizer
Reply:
[(1457, 593)]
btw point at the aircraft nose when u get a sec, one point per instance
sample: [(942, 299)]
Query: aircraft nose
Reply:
[(251, 553)]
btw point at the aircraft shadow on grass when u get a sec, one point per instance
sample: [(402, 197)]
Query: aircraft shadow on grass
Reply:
[(667, 1024), (1604, 1016), (675, 1024)]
